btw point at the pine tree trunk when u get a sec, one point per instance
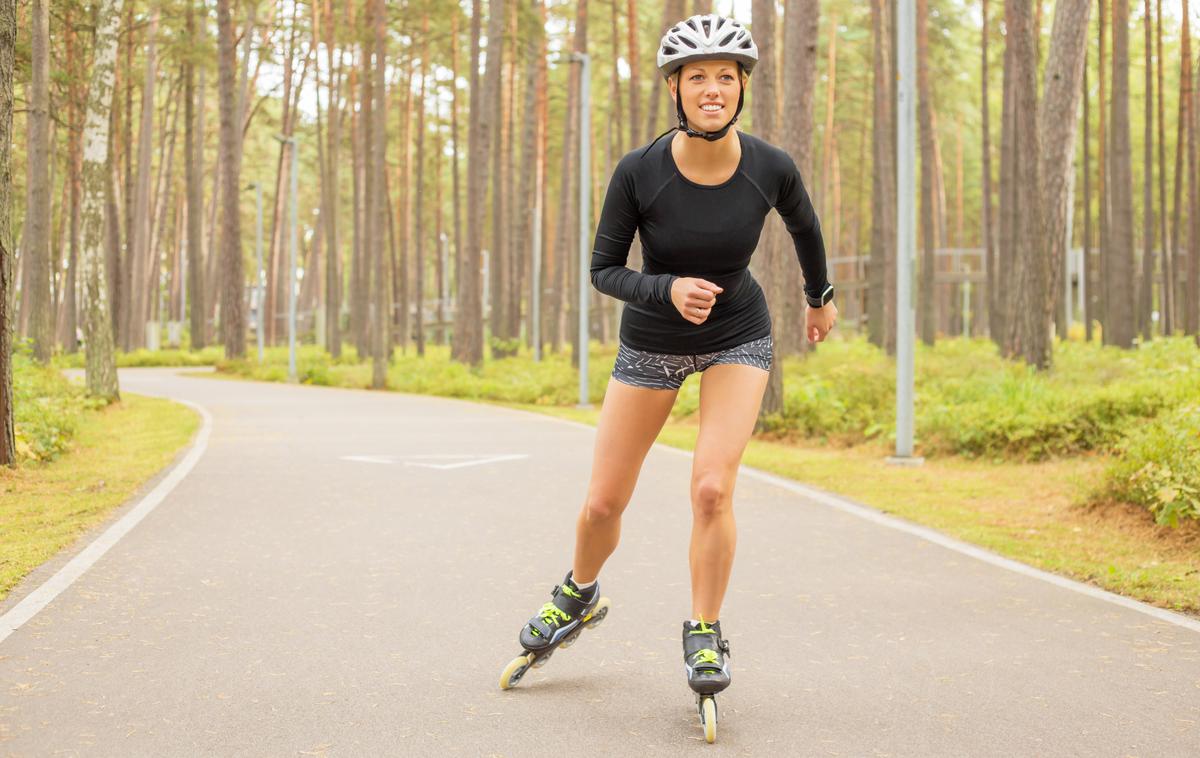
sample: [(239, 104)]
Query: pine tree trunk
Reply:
[(1041, 273), (635, 82), (1101, 288), (468, 318), (1085, 280), (1121, 324), (529, 145), (194, 149), (139, 264), (1146, 291), (659, 93), (419, 235), (77, 108), (927, 297), (570, 286), (1009, 156), (101, 365), (36, 242), (766, 265), (1167, 293), (1181, 151), (498, 262), (329, 208), (881, 293), (233, 323), (558, 306), (1022, 39), (988, 234), (799, 71), (380, 338), (8, 44)]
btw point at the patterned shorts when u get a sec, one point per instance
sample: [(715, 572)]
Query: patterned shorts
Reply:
[(664, 371)]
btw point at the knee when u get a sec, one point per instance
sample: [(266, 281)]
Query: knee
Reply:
[(711, 497), (602, 506)]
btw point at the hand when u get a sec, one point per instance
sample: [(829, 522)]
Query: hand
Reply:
[(818, 321), (694, 298)]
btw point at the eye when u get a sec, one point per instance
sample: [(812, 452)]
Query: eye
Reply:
[(727, 77), (694, 77)]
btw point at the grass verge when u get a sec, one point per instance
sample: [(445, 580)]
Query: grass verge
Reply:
[(46, 506)]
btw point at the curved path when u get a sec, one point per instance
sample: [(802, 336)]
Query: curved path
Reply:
[(345, 573)]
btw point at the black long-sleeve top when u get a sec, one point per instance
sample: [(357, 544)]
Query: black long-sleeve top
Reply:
[(706, 231)]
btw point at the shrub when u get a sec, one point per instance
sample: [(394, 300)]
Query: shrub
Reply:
[(1159, 466), (46, 409)]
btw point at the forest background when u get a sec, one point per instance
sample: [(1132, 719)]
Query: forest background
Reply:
[(431, 137)]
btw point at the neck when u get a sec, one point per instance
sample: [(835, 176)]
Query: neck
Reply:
[(702, 152)]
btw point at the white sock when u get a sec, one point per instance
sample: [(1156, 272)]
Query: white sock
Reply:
[(584, 586)]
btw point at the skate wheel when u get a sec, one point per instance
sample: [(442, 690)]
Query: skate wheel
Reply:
[(515, 669), (569, 640), (598, 613), (708, 718), (542, 659)]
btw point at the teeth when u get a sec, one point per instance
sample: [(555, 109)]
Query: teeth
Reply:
[(712, 108)]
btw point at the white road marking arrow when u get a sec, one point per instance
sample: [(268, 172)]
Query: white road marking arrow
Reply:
[(426, 461)]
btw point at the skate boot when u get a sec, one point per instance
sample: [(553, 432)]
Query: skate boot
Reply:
[(558, 623), (704, 654)]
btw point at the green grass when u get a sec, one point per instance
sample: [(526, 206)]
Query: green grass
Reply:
[(45, 506)]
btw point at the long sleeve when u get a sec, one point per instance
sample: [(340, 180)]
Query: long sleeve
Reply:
[(610, 250), (802, 223)]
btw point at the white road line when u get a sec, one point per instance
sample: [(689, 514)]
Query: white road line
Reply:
[(930, 535), (421, 460), (35, 601)]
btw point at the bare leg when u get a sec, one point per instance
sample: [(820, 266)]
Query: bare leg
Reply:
[(630, 420), (730, 396)]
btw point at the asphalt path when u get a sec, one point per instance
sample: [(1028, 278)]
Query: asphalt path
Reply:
[(345, 573)]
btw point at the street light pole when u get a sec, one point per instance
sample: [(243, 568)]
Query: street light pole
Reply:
[(585, 179), (906, 238)]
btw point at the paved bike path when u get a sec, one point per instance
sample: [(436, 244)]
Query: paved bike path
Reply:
[(344, 573)]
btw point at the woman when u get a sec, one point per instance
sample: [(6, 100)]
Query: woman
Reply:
[(698, 202)]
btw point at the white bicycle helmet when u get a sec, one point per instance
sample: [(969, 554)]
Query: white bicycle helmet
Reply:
[(706, 37)]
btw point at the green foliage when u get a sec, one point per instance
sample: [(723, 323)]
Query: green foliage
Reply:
[(47, 409), (969, 401), (1159, 466), (147, 358)]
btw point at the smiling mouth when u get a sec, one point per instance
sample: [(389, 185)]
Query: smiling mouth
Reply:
[(712, 110)]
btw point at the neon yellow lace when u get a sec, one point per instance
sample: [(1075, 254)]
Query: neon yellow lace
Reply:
[(704, 655), (566, 588), (550, 613)]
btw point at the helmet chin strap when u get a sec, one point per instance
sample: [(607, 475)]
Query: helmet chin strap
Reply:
[(710, 136)]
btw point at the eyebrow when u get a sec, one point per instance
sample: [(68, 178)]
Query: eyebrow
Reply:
[(694, 67)]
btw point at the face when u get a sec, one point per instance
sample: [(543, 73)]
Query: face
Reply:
[(709, 91)]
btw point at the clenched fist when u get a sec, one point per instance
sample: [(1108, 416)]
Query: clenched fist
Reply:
[(694, 298)]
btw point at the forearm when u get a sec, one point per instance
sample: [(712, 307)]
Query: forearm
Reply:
[(611, 276)]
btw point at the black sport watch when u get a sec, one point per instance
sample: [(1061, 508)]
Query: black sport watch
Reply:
[(819, 302)]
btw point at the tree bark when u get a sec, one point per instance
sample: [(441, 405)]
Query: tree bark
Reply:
[(1121, 325), (927, 297), (800, 34), (419, 233), (8, 43), (36, 242), (194, 150), (1167, 294), (1101, 288), (635, 83), (101, 367), (498, 262), (467, 346), (989, 249), (329, 208), (381, 338), (1146, 290), (139, 263), (1041, 273), (767, 262), (881, 293), (233, 321)]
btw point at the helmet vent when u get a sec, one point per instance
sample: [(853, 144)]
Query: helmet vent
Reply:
[(688, 42), (745, 44), (669, 50), (692, 24), (727, 39), (705, 23)]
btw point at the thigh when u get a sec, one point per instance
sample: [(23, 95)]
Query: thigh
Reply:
[(630, 420), (730, 396)]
